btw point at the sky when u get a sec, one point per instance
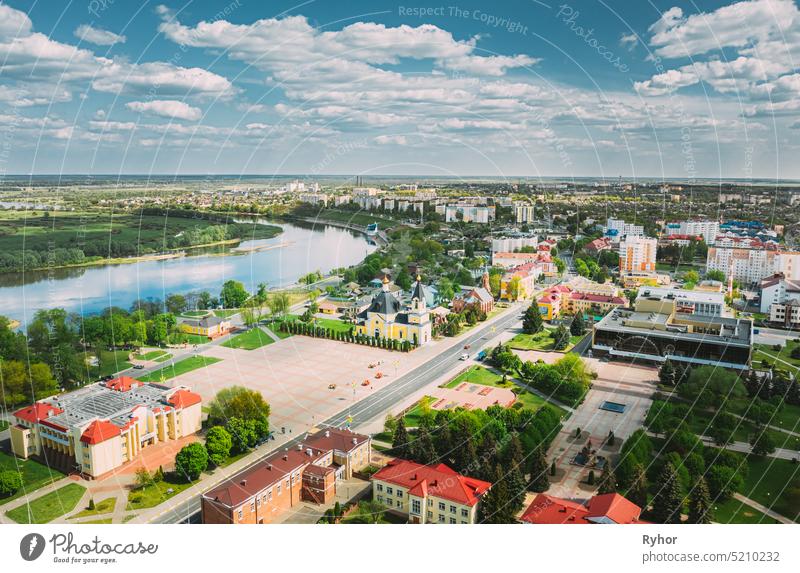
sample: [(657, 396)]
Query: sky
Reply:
[(510, 88)]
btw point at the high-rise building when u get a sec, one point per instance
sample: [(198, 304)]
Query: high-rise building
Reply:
[(707, 229), (637, 254)]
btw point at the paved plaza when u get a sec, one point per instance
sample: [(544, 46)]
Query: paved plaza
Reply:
[(616, 382), (471, 396), (295, 374)]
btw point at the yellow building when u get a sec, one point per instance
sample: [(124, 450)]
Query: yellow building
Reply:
[(209, 326), (428, 494), (100, 427), (388, 317)]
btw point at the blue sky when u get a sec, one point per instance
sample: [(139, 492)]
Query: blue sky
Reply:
[(508, 88)]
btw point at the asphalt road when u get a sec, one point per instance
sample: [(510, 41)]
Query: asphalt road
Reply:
[(380, 402)]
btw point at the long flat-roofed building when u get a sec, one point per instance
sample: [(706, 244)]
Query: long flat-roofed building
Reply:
[(680, 325), (100, 427)]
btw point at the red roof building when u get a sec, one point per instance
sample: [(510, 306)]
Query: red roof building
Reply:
[(428, 494), (607, 508), (37, 412), (122, 384), (184, 398), (99, 431)]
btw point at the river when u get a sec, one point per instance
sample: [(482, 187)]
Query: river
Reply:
[(281, 260)]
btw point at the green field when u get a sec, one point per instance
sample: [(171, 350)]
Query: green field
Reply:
[(3, 425), (542, 341), (105, 506), (329, 323), (250, 340), (152, 355), (195, 313), (734, 511), (477, 375), (163, 357), (112, 362), (355, 218), (34, 475), (784, 354), (155, 494), (181, 367), (196, 339), (48, 507), (226, 313), (768, 482)]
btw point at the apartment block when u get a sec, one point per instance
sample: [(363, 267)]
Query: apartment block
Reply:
[(708, 229), (637, 254)]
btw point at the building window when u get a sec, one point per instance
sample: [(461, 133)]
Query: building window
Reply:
[(240, 515), (452, 509), (399, 503), (252, 506), (379, 487), (416, 506), (430, 514), (399, 493), (441, 506), (389, 491), (452, 521), (279, 489), (380, 499), (464, 513), (441, 518), (269, 494)]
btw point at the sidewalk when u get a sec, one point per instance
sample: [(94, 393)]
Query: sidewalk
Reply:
[(762, 508)]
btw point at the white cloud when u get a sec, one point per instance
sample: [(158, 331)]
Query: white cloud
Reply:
[(87, 33), (166, 108)]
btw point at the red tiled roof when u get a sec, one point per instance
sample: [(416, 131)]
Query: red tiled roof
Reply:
[(184, 398), (99, 431), (549, 510), (37, 412), (614, 507), (439, 480), (122, 384), (341, 440), (597, 298), (611, 507)]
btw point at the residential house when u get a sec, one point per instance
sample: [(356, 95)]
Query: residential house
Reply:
[(208, 326)]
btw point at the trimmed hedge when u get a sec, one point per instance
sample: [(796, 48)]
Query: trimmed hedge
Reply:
[(307, 329)]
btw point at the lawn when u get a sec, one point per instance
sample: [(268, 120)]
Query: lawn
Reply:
[(3, 425), (784, 354), (155, 493), (163, 357), (354, 218), (112, 361), (226, 312), (152, 355), (734, 511), (250, 340), (34, 474), (105, 506), (542, 341), (195, 313), (195, 338), (181, 367), (279, 333), (413, 415), (330, 323), (771, 478), (48, 507), (477, 375)]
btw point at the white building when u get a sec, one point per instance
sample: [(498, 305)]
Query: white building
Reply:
[(637, 254), (468, 213), (524, 213), (511, 244), (619, 228), (365, 191), (750, 260), (708, 229)]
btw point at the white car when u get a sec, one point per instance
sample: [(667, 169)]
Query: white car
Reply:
[(464, 357)]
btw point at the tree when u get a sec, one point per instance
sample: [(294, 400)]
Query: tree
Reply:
[(401, 446), (494, 506), (532, 320), (715, 275), (560, 337), (191, 461), (763, 444), (637, 492), (666, 374), (243, 434), (278, 303), (218, 444), (389, 424), (578, 326), (700, 507), (537, 472), (176, 303), (233, 294), (422, 448), (238, 402), (668, 502), (513, 290), (608, 481), (10, 482), (512, 461), (143, 477)]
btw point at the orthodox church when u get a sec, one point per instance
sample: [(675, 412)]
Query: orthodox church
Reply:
[(388, 317)]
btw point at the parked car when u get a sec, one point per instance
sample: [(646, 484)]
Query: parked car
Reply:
[(138, 367)]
